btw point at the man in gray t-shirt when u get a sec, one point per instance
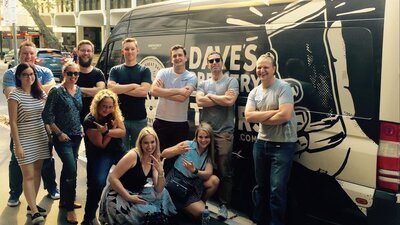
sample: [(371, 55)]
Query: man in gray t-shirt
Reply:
[(271, 105), (217, 96)]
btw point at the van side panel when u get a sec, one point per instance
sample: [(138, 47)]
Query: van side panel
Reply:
[(330, 52)]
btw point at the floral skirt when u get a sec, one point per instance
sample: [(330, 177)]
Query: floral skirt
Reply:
[(116, 210)]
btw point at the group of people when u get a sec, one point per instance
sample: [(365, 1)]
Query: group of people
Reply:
[(112, 120)]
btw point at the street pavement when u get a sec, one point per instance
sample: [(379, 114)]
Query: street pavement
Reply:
[(17, 215)]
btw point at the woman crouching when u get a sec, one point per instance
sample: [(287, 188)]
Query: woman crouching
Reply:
[(126, 200)]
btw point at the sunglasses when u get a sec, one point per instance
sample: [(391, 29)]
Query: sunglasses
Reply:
[(217, 60), (70, 73)]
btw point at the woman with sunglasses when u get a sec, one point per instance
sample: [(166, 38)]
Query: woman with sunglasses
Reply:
[(62, 112), (25, 106)]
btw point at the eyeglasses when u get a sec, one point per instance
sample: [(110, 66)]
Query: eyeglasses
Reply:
[(70, 73), (217, 60), (26, 75)]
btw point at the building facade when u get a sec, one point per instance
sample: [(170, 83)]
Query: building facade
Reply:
[(75, 20)]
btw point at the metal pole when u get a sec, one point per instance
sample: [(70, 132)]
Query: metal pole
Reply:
[(15, 43), (107, 28)]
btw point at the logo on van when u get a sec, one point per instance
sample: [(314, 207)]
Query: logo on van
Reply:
[(154, 64)]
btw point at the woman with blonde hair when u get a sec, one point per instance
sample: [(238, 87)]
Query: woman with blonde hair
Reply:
[(193, 168), (127, 199), (104, 129), (61, 113)]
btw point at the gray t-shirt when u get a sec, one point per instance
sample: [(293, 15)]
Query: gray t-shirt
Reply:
[(221, 118), (279, 93), (170, 110)]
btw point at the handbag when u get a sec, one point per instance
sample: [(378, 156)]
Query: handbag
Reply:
[(178, 187)]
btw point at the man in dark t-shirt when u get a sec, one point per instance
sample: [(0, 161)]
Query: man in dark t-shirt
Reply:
[(91, 79), (131, 82)]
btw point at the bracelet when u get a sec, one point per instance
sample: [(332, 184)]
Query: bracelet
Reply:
[(105, 132), (196, 171), (161, 175)]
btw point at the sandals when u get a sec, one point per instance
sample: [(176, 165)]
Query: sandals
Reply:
[(71, 217)]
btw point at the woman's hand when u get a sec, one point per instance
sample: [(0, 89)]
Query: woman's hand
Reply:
[(158, 164), (102, 129), (189, 165), (19, 152), (183, 147), (63, 137), (136, 199)]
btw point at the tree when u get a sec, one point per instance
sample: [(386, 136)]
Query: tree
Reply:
[(50, 39)]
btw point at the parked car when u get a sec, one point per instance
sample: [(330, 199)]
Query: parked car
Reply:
[(9, 56), (52, 59)]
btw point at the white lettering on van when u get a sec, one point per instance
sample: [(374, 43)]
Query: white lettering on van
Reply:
[(242, 123), (235, 55), (249, 54)]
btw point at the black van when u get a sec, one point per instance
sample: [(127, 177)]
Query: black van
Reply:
[(342, 61)]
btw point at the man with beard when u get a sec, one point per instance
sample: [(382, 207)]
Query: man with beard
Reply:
[(91, 79)]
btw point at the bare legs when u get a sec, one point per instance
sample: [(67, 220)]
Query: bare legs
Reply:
[(210, 187), (31, 174)]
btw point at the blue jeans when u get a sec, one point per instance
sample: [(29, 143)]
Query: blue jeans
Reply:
[(68, 153), (133, 128), (97, 167), (15, 175), (272, 163)]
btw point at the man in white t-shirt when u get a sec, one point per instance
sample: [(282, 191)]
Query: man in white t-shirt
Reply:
[(173, 87)]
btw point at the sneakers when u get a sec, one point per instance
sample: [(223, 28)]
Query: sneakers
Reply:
[(37, 218), (223, 212), (12, 202), (42, 211), (54, 194)]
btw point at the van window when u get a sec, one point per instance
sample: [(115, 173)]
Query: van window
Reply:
[(121, 28), (165, 24)]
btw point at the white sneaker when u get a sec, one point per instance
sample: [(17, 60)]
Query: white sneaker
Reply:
[(223, 212)]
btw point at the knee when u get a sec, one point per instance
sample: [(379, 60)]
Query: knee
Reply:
[(195, 213), (214, 181)]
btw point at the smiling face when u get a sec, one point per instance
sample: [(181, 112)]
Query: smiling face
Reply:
[(105, 107), (130, 51), (148, 144), (27, 54), (71, 74), (85, 55), (27, 77), (265, 70), (203, 139), (178, 58)]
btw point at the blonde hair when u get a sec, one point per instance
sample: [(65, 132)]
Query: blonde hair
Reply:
[(69, 64), (208, 129), (143, 133), (130, 40), (85, 42), (99, 97)]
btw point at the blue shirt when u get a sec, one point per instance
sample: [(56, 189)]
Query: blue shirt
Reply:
[(64, 110), (44, 75), (193, 156)]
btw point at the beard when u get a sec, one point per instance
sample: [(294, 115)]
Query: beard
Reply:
[(82, 63)]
